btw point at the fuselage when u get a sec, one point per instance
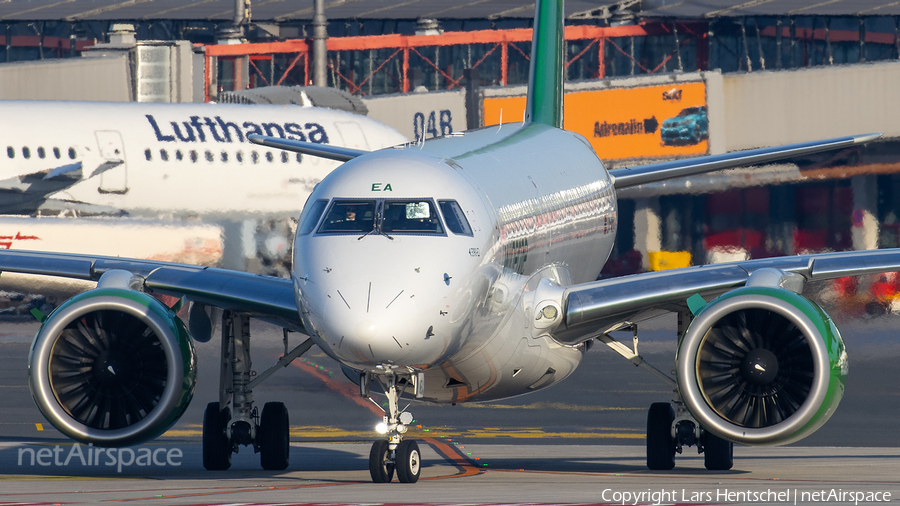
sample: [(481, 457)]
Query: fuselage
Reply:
[(183, 159), (450, 243)]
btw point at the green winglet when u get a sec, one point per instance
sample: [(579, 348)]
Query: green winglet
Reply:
[(41, 317), (695, 303)]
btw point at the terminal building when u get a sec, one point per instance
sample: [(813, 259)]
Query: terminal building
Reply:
[(647, 80)]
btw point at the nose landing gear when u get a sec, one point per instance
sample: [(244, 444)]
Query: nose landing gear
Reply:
[(394, 453)]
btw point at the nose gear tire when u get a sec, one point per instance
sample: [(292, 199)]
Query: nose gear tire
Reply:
[(380, 466), (408, 461)]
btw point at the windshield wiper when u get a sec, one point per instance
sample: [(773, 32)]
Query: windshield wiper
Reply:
[(379, 218)]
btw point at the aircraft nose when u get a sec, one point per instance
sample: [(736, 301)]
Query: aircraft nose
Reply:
[(376, 323)]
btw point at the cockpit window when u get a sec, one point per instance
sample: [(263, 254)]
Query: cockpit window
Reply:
[(311, 215), (381, 217), (455, 218), (349, 216), (411, 217)]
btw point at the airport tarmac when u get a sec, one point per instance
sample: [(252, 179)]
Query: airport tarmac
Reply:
[(578, 442), (504, 473)]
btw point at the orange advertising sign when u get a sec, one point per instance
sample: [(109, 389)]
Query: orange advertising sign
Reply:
[(621, 123)]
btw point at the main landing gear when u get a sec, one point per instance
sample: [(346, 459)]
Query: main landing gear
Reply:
[(670, 427), (394, 454), (668, 434), (224, 431)]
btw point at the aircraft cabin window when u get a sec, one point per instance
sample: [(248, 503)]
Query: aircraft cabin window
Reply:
[(72, 153), (299, 157), (178, 155), (310, 216), (239, 156), (224, 156), (349, 217), (56, 153), (193, 156), (410, 217), (454, 217), (269, 156), (10, 152), (284, 157), (164, 155), (148, 155), (41, 152), (254, 156), (26, 152), (209, 156)]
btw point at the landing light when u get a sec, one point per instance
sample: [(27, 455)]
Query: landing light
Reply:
[(549, 312), (381, 428)]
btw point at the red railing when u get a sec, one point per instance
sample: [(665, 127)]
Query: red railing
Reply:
[(595, 38)]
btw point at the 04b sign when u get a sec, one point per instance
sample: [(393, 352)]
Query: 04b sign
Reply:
[(622, 123)]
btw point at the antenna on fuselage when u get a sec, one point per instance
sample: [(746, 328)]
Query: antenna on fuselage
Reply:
[(544, 103)]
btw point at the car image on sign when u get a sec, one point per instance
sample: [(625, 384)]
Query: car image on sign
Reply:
[(690, 126)]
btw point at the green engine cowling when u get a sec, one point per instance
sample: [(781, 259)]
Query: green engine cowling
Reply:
[(113, 367), (761, 366)]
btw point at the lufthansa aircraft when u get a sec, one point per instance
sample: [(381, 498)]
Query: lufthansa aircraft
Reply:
[(152, 158), (459, 269)]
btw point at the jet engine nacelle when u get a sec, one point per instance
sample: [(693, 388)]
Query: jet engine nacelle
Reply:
[(112, 367), (761, 366)]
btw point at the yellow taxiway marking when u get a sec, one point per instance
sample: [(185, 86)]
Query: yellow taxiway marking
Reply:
[(39, 426), (535, 433), (319, 432), (558, 406)]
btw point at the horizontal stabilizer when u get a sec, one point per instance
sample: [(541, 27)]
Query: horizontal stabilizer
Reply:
[(24, 194), (653, 172), (104, 166), (307, 148), (63, 169)]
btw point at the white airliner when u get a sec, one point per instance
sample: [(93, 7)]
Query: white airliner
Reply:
[(459, 269), (182, 159)]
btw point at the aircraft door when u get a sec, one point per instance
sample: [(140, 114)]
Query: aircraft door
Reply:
[(112, 151)]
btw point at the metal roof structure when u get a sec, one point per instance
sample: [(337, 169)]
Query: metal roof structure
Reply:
[(288, 10)]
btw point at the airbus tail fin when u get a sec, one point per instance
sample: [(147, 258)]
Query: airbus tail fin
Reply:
[(545, 76)]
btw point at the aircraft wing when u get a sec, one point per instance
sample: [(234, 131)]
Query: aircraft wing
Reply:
[(650, 173), (268, 298), (307, 148), (602, 306)]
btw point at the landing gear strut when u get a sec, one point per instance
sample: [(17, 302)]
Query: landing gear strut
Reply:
[(224, 430), (670, 429), (394, 453)]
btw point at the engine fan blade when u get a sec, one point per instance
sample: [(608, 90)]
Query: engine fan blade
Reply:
[(755, 368), (109, 370)]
